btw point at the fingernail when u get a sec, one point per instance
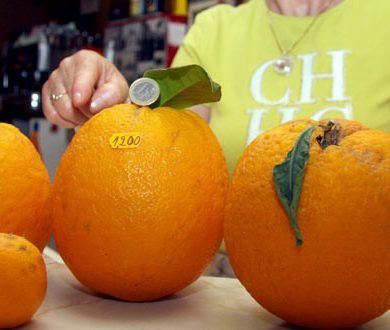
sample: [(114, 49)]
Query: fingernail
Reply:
[(77, 96), (99, 102), (96, 104)]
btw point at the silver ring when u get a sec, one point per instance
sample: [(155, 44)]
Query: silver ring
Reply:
[(56, 97)]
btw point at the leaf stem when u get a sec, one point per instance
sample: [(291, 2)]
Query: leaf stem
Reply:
[(294, 224)]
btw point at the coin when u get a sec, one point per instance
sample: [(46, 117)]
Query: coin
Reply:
[(144, 91)]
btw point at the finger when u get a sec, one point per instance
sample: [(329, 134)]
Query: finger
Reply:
[(67, 73), (85, 78), (113, 92), (50, 112), (54, 85), (53, 117), (67, 112), (63, 107)]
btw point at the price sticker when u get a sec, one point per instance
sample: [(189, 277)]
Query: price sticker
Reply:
[(129, 140)]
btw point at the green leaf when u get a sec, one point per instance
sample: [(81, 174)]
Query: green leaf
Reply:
[(185, 86), (288, 178)]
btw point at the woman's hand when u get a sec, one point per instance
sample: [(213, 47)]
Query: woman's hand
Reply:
[(88, 82)]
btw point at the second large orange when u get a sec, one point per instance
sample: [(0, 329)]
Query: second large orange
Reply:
[(138, 201)]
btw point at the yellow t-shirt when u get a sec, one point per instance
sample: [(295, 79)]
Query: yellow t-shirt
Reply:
[(341, 67)]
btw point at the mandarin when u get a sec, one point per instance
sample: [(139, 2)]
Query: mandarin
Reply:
[(22, 280), (25, 188), (340, 276), (140, 223)]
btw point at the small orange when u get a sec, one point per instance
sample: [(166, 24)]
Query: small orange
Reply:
[(140, 223), (24, 188), (22, 280), (340, 276)]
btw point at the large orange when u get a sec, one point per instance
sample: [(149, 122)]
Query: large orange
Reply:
[(22, 280), (24, 188), (340, 275), (140, 223)]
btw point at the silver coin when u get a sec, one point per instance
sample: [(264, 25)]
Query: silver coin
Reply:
[(144, 91)]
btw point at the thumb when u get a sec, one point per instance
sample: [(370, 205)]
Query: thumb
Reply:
[(109, 94)]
